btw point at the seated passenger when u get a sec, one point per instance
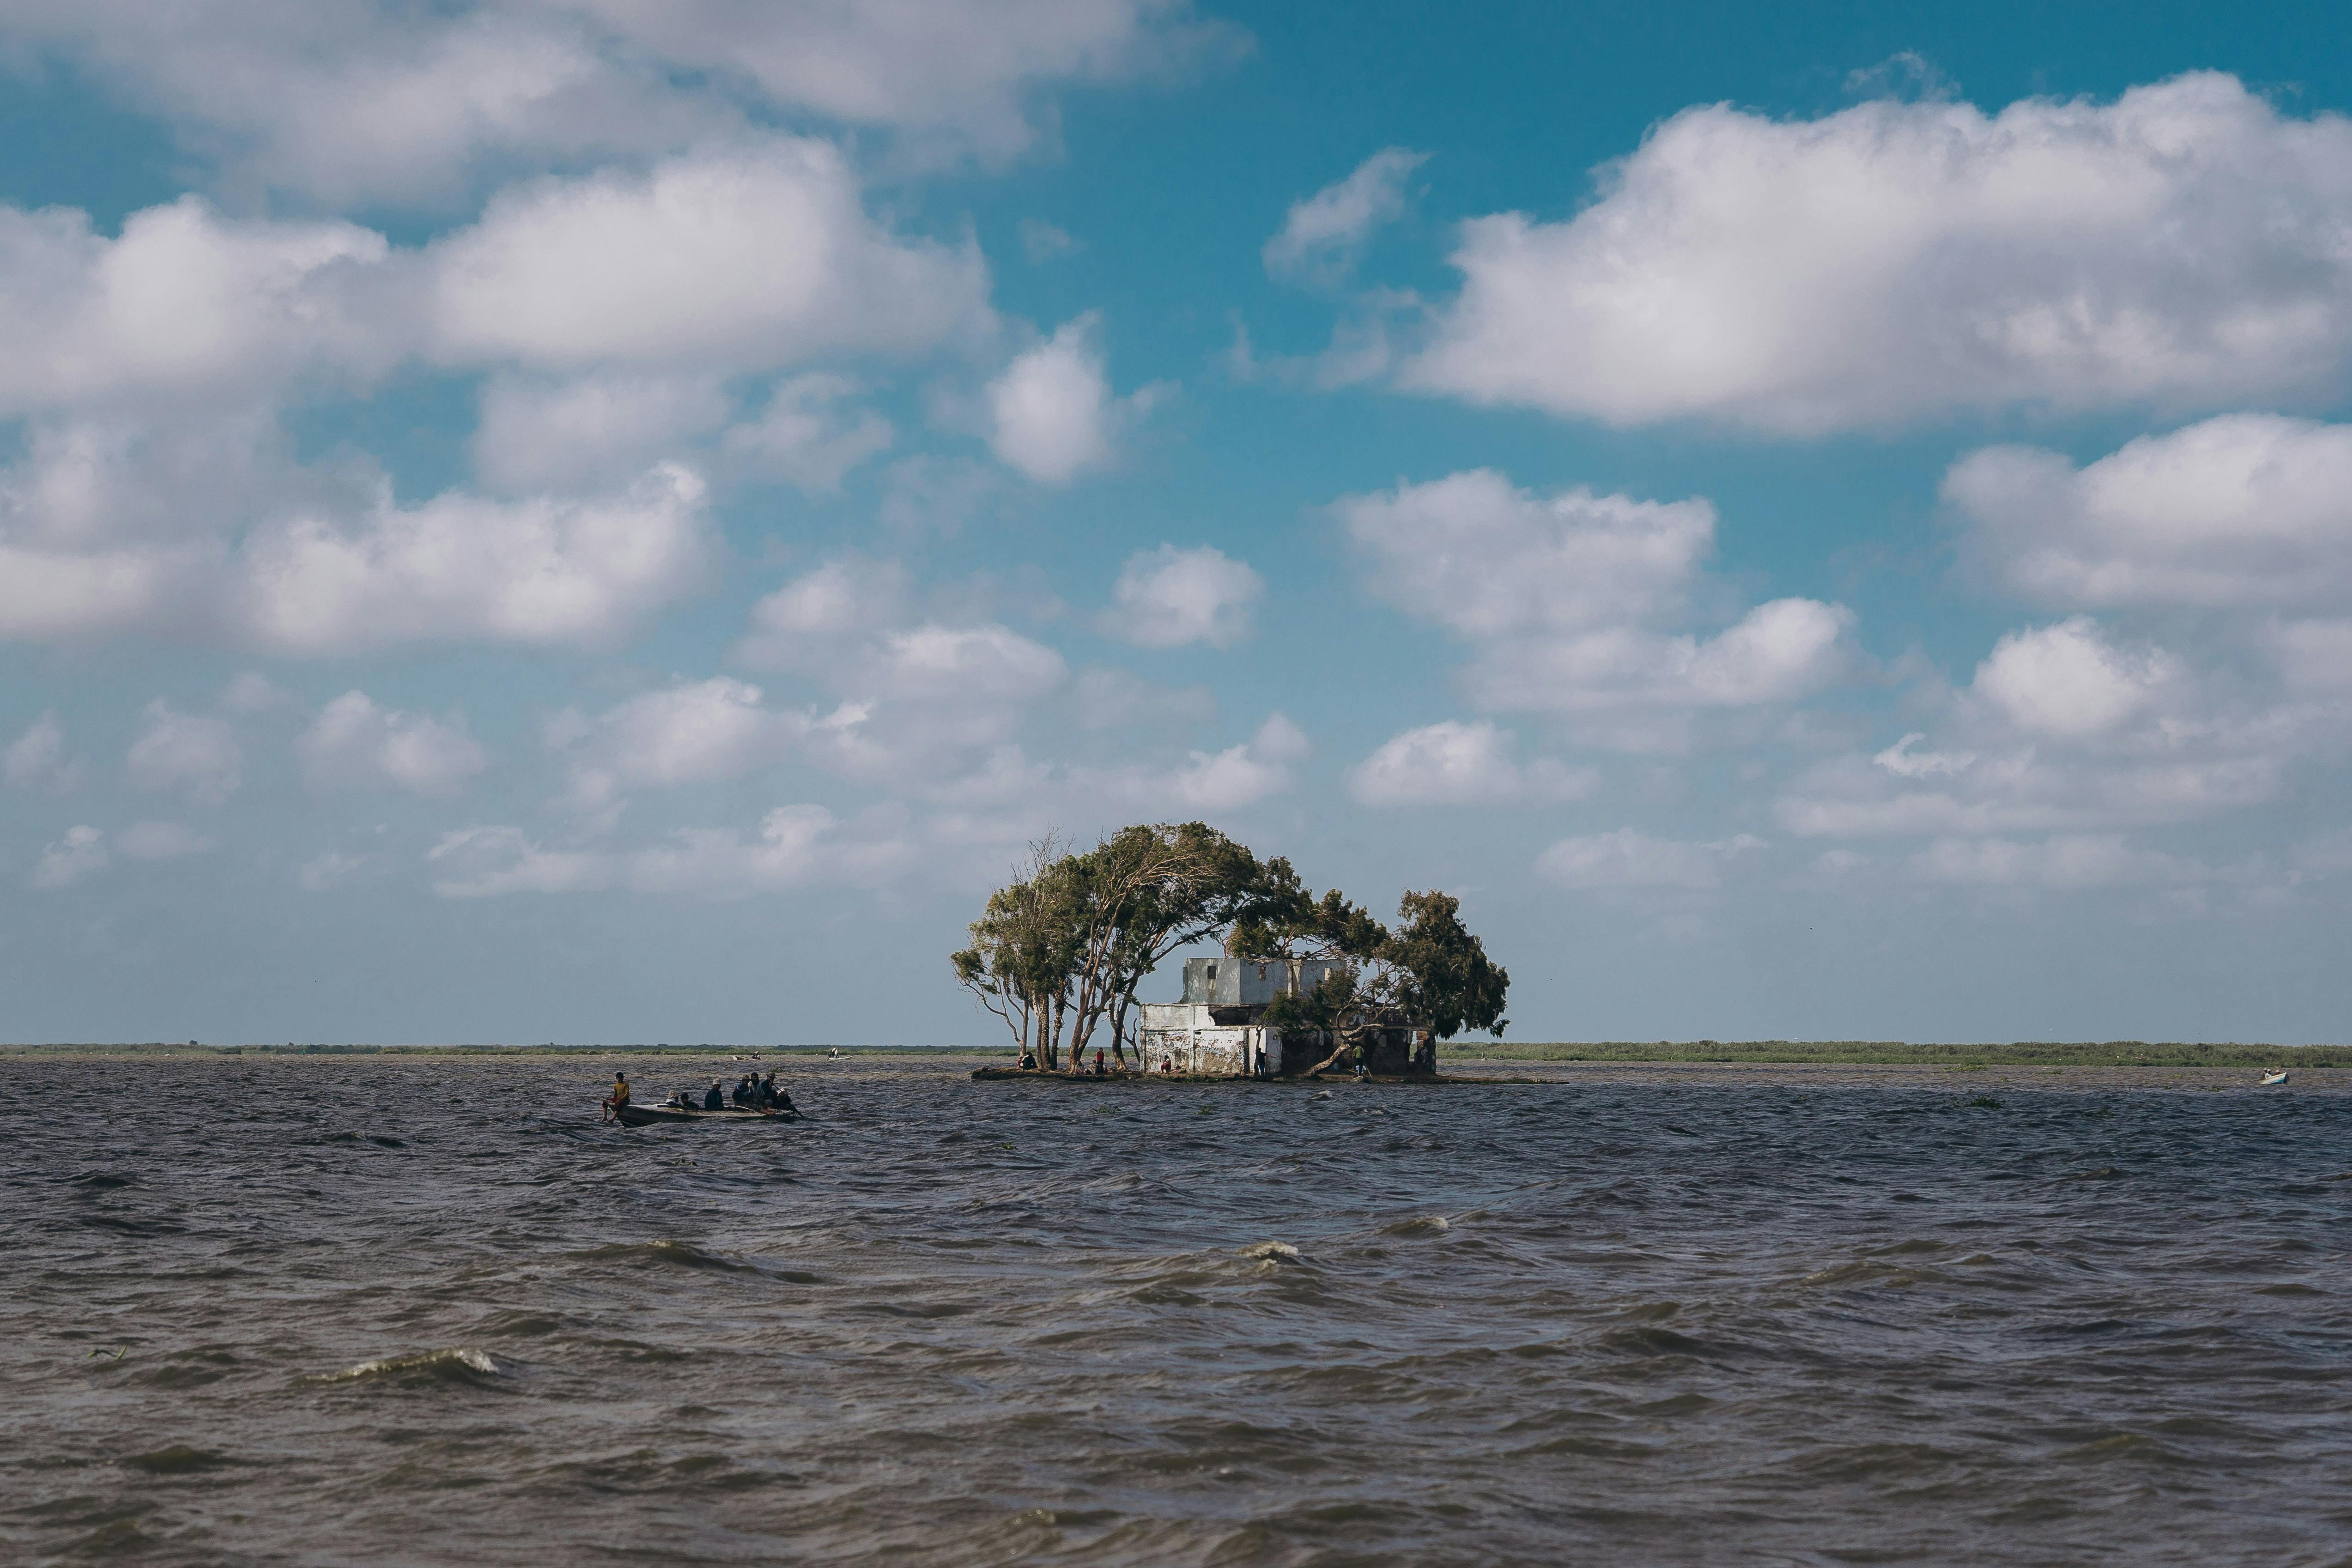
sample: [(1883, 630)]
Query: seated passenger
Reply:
[(769, 1094), (743, 1090), (717, 1099)]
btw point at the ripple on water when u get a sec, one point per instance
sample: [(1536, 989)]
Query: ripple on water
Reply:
[(1615, 1321)]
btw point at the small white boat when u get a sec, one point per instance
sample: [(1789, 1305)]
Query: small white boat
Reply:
[(2271, 1078)]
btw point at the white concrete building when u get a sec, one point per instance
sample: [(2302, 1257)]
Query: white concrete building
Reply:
[(1215, 1030)]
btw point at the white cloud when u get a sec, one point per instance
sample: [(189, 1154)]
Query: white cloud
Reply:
[(37, 760), (814, 613), (2240, 510), (1457, 764), (739, 257), (161, 841), (1051, 415), (326, 562), (699, 733), (1169, 597), (796, 846), (1630, 859), (354, 742), (1904, 763), (2069, 681), (375, 100), (1485, 558), (1777, 652), (1563, 594), (806, 436), (80, 853), (539, 571), (1322, 233), (917, 693), (329, 870), (482, 863), (2059, 861), (2181, 245), (183, 751), (183, 303), (2313, 655), (1110, 699), (1241, 775), (1041, 242), (538, 434)]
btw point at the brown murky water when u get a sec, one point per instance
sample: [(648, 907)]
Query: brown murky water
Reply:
[(428, 1311)]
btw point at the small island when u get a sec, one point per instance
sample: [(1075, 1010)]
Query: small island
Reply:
[(1302, 987)]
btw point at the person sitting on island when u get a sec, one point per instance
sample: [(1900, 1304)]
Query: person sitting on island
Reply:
[(618, 1097), (1028, 1059), (717, 1099)]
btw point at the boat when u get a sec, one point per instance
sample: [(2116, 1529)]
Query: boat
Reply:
[(2271, 1078), (647, 1115)]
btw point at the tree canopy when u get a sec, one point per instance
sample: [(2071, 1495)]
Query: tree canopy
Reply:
[(1058, 952)]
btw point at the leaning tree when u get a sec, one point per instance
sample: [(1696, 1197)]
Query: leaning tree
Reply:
[(1060, 951)]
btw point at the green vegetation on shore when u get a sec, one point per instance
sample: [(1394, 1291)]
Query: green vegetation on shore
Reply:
[(1896, 1052)]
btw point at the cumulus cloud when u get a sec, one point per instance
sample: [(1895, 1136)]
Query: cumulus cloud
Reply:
[(700, 732), (355, 743), (343, 568), (183, 303), (806, 435), (544, 569), (1628, 859), (1169, 597), (539, 433), (2070, 681), (1051, 414), (2179, 246), (1485, 558), (375, 100), (188, 752), (1322, 233), (917, 692), (738, 256), (39, 760), (2243, 510), (2062, 860), (795, 847), (2069, 730), (152, 840), (1455, 764), (80, 853), (1568, 597), (84, 851)]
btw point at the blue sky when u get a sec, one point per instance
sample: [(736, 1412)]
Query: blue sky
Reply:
[(579, 520)]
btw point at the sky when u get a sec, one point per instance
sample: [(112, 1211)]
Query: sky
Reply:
[(591, 520)]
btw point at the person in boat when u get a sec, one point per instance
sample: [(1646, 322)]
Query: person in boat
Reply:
[(743, 1090), (618, 1097), (717, 1099), (779, 1100)]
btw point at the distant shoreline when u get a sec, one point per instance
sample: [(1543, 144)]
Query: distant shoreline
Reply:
[(1743, 1054)]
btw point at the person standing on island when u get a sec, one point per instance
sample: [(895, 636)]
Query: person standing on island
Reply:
[(617, 1098)]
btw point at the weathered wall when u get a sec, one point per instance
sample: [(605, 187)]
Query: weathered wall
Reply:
[(1183, 1037)]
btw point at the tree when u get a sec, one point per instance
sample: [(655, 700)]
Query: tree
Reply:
[(1064, 948), (1431, 972)]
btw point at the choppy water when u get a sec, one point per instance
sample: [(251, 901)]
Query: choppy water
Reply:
[(379, 1311)]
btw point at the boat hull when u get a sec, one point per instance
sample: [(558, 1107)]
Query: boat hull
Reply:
[(649, 1115)]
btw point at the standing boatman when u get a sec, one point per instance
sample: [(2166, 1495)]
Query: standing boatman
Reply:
[(617, 1098)]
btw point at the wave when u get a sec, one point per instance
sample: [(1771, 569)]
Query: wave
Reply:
[(457, 1364)]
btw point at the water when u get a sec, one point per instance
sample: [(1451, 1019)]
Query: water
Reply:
[(428, 1311)]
